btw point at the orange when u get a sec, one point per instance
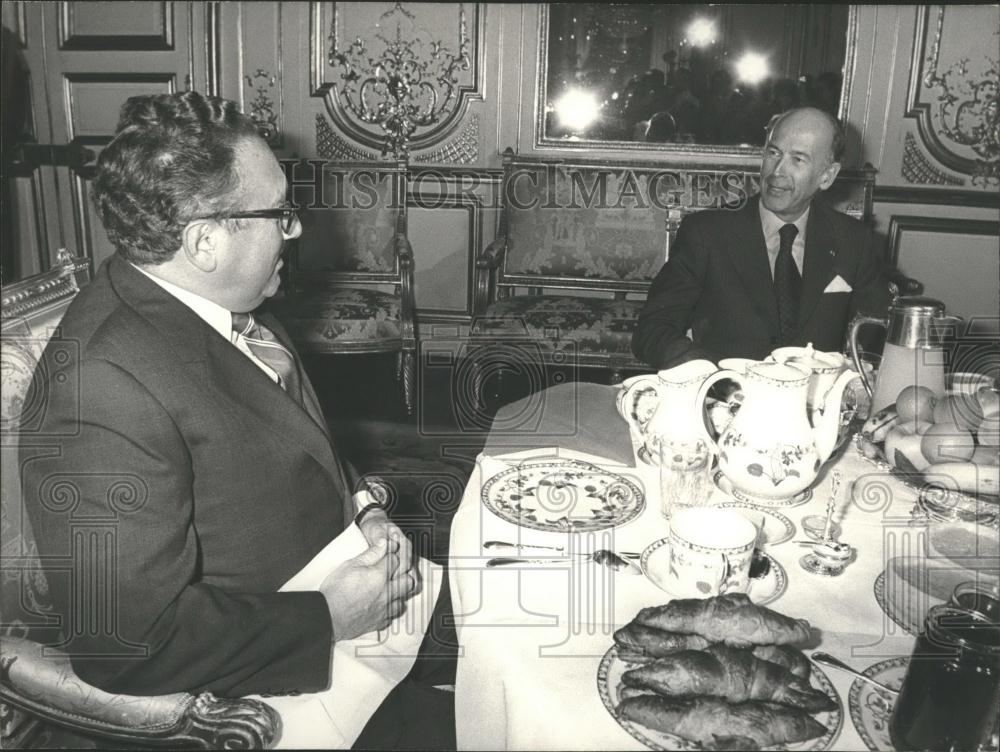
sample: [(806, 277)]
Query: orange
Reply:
[(915, 403), (960, 409), (946, 442)]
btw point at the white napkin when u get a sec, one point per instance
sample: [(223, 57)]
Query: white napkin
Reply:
[(364, 669), (837, 284)]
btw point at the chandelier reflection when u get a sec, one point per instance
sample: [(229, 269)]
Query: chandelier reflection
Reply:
[(411, 83)]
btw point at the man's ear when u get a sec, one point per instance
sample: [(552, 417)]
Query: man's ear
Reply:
[(199, 242), (829, 175)]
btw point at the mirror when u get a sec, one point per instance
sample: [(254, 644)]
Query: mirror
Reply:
[(698, 77)]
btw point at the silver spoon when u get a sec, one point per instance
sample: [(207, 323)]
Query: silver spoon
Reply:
[(828, 660), (602, 556)]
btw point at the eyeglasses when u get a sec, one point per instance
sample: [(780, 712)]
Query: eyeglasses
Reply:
[(287, 216)]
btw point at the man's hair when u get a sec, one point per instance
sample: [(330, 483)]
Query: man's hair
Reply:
[(836, 128), (171, 160)]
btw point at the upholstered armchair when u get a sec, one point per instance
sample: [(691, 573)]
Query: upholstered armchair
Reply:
[(567, 274), (349, 289), (38, 687)]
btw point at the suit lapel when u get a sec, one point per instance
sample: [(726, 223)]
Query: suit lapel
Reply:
[(217, 362), (817, 262), (748, 254)]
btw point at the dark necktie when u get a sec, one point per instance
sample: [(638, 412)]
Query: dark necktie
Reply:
[(266, 348), (787, 284)]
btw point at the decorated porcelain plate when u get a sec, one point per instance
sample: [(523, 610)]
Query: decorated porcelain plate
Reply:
[(562, 495), (777, 527), (871, 708), (609, 675), (901, 620), (762, 590)]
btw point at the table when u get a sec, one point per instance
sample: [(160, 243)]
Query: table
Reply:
[(532, 637)]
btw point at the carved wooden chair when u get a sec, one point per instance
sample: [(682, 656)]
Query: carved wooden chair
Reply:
[(349, 288), (567, 274), (38, 687)]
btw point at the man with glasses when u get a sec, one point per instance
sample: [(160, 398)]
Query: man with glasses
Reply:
[(194, 406), (782, 269)]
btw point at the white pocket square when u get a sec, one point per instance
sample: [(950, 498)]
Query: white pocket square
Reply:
[(837, 284)]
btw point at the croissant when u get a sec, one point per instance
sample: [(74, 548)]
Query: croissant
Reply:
[(731, 618), (715, 723), (786, 656), (726, 672), (639, 643)]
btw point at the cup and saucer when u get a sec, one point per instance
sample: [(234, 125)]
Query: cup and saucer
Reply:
[(709, 552)]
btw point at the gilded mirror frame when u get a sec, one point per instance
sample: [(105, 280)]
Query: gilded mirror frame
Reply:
[(695, 153)]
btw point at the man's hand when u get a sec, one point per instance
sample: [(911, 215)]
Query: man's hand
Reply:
[(377, 525), (367, 592)]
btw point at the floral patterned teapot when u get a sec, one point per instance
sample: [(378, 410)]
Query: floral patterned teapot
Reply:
[(674, 401), (774, 447)]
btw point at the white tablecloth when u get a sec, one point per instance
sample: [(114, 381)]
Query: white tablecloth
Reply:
[(532, 637)]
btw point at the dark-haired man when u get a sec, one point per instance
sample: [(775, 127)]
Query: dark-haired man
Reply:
[(196, 404), (784, 269)]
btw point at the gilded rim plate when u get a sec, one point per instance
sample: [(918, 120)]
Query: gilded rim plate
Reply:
[(609, 675), (562, 496), (766, 589), (871, 708)]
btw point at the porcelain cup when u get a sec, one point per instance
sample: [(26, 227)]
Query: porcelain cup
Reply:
[(710, 552)]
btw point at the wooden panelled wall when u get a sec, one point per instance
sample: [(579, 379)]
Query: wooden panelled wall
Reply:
[(936, 201)]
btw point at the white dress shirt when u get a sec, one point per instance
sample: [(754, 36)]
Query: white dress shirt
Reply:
[(771, 223), (215, 316)]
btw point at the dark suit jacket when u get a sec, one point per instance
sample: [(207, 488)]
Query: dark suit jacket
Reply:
[(717, 282), (181, 489)]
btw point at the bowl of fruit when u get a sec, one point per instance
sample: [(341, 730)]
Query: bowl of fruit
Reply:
[(945, 447)]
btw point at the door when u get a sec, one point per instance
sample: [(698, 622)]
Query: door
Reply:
[(75, 63)]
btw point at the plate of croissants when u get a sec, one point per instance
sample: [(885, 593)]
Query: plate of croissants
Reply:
[(718, 673)]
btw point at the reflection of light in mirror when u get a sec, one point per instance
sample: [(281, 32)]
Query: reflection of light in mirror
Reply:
[(701, 32), (752, 68), (577, 109)]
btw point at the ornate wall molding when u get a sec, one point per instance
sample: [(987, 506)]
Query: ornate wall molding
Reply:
[(917, 168), (903, 223), (330, 145), (260, 26), (261, 108), (328, 33), (953, 92), (463, 149)]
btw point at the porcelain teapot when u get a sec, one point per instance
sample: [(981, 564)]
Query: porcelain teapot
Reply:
[(774, 447), (670, 405), (825, 368)]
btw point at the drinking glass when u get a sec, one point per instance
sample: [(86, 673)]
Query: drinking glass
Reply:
[(685, 475)]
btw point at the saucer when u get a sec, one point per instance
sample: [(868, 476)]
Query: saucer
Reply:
[(777, 527), (871, 708), (726, 486), (763, 590)]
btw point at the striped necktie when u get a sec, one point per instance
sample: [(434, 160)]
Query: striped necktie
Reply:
[(787, 284), (265, 347), (268, 350)]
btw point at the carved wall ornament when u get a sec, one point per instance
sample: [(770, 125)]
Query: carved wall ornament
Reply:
[(262, 108), (463, 149), (330, 145), (954, 87), (398, 80), (917, 168)]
